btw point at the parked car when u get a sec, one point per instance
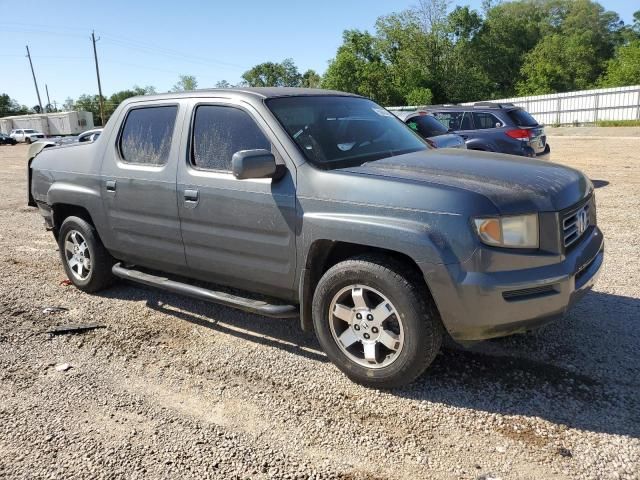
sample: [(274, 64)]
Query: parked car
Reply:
[(331, 210), (7, 140), (429, 128), (495, 127), (26, 135)]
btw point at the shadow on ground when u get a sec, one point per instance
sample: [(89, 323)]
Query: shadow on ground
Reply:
[(599, 183), (521, 375)]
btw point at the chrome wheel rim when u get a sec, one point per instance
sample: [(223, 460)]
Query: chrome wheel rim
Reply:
[(366, 326), (77, 254)]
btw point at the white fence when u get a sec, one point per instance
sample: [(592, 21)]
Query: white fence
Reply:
[(584, 106)]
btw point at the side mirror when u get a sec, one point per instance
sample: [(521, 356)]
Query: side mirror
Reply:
[(253, 164)]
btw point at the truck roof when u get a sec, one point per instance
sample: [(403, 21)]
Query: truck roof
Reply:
[(259, 92)]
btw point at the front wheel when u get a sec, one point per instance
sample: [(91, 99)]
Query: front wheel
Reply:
[(376, 323), (27, 140)]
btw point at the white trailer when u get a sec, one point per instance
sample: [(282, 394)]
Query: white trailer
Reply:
[(58, 123)]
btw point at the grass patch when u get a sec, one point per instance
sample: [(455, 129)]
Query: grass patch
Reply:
[(618, 123)]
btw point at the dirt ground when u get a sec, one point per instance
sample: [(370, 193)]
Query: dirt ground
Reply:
[(174, 388)]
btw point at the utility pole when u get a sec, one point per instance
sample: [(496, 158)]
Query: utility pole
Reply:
[(34, 78), (95, 56), (46, 87)]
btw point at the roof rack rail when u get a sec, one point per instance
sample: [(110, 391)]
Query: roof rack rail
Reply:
[(493, 105)]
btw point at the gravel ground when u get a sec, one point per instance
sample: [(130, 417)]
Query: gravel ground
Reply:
[(174, 388)]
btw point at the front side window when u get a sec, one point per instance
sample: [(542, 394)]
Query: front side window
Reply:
[(485, 120), (219, 132), (146, 135), (29, 131), (336, 131)]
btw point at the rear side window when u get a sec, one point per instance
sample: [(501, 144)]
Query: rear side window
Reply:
[(427, 126), (219, 132), (522, 118), (146, 135), (483, 120)]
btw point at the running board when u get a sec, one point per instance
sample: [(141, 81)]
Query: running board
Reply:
[(248, 305)]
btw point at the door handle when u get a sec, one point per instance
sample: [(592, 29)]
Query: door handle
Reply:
[(111, 185), (191, 195)]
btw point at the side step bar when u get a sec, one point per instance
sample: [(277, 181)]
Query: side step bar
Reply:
[(248, 305)]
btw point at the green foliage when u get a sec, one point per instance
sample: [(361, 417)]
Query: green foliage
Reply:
[(9, 106), (618, 123), (419, 96), (359, 68), (522, 46), (272, 74), (624, 68), (311, 79), (185, 84), (573, 55)]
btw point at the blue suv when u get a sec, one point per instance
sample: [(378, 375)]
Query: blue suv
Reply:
[(495, 127)]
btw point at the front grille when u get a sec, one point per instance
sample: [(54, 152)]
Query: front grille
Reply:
[(575, 223)]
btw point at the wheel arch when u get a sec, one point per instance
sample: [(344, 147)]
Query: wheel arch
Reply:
[(324, 254)]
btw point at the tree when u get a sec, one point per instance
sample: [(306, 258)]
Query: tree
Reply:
[(310, 79), (223, 84), (89, 103), (273, 74), (359, 68), (624, 68), (9, 106), (419, 96), (573, 55), (185, 84)]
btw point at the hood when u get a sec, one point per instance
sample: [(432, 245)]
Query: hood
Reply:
[(514, 184)]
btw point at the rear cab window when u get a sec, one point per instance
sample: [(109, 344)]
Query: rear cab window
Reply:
[(146, 135), (220, 131), (522, 118)]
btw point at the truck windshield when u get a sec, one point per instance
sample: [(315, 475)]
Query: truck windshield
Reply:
[(336, 131)]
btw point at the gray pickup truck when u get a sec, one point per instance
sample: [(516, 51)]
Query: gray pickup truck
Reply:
[(322, 205)]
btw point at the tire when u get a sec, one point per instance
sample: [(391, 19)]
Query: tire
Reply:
[(77, 232), (415, 325), (27, 140)]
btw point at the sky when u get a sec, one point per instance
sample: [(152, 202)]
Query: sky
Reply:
[(144, 42)]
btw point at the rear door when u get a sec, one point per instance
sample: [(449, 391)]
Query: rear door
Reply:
[(139, 186), (236, 232)]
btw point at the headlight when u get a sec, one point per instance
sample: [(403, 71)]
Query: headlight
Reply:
[(519, 231)]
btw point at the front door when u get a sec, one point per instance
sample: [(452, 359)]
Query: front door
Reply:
[(139, 187), (236, 232)]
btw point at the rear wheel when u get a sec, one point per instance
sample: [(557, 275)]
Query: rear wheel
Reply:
[(27, 140), (376, 323), (85, 260)]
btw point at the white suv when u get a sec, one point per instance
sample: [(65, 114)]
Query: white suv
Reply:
[(26, 135)]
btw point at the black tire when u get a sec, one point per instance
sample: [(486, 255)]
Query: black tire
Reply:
[(27, 140), (99, 276), (422, 326)]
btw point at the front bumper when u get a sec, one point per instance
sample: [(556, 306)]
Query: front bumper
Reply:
[(480, 305)]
